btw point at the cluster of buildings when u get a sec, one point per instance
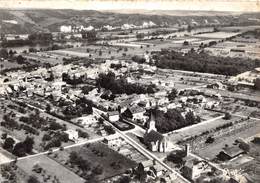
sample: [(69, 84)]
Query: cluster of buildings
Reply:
[(78, 29), (75, 29)]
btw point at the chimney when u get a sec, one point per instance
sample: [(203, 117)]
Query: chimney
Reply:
[(187, 149)]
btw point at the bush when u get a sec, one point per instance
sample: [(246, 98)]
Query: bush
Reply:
[(227, 116), (109, 129), (209, 140), (82, 134)]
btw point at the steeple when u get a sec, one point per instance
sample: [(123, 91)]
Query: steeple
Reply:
[(151, 124)]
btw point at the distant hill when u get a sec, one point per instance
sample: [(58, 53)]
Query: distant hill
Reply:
[(34, 20)]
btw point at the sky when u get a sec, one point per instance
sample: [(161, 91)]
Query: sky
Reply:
[(208, 5)]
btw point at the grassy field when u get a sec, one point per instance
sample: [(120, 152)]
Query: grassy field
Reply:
[(91, 153), (199, 128), (51, 169), (211, 150), (218, 35)]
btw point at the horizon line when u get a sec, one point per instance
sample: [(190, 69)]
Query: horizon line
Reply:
[(151, 5)]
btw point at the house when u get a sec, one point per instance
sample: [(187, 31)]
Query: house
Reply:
[(217, 85), (136, 113), (229, 153), (73, 134), (193, 168), (158, 170), (113, 116), (237, 177), (57, 86), (87, 120), (155, 140), (65, 29)]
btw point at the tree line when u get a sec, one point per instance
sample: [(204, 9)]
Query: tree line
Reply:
[(202, 62)]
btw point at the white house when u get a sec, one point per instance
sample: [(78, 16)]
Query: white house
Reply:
[(113, 116), (73, 134), (136, 113), (87, 120), (193, 168), (65, 29)]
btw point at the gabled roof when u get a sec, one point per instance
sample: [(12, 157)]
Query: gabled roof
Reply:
[(113, 113), (136, 109), (232, 151)]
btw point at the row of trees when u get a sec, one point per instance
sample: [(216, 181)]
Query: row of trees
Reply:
[(5, 54), (32, 39)]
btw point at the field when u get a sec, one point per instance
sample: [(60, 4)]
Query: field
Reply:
[(251, 49), (9, 65), (98, 154), (239, 28), (185, 133), (209, 151), (44, 58), (51, 169), (217, 35)]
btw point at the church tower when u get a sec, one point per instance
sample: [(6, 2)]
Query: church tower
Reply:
[(151, 124)]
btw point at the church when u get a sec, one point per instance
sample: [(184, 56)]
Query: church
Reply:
[(155, 141)]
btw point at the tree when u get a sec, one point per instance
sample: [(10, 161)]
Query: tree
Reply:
[(185, 43), (140, 35), (257, 83), (91, 35), (98, 170), (20, 59), (176, 157), (138, 59), (51, 77), (33, 179), (209, 140), (28, 144), (124, 179), (173, 94), (140, 172), (19, 149), (190, 117), (8, 144), (48, 108), (73, 157), (46, 137), (4, 136), (227, 116), (109, 129), (189, 28), (11, 53), (3, 53)]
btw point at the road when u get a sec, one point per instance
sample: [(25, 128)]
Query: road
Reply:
[(135, 144), (147, 153)]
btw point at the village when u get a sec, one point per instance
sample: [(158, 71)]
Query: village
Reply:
[(136, 105)]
